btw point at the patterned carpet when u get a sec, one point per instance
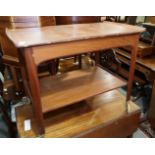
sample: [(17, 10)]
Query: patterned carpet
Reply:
[(146, 128)]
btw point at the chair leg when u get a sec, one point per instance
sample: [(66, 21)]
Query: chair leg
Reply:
[(80, 61), (75, 58), (53, 66), (15, 71), (97, 58)]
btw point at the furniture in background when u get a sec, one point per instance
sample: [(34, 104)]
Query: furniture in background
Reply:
[(64, 20), (44, 44), (146, 66), (150, 19), (146, 45), (120, 19), (3, 109), (10, 56)]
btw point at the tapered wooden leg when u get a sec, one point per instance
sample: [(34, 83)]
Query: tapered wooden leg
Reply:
[(32, 75), (131, 72), (53, 66)]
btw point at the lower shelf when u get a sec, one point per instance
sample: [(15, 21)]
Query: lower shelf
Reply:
[(71, 87), (100, 116)]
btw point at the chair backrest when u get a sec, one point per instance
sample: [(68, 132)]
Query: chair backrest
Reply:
[(20, 22), (63, 20)]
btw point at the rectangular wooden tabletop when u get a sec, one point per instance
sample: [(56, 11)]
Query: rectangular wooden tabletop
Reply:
[(65, 33)]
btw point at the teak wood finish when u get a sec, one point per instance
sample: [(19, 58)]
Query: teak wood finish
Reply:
[(37, 45), (75, 86)]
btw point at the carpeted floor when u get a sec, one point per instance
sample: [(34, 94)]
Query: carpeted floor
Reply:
[(146, 128)]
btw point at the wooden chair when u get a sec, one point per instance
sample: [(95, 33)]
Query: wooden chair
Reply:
[(65, 20), (10, 56), (3, 110)]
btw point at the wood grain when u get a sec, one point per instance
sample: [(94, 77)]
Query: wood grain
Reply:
[(52, 51), (43, 44), (75, 86), (65, 33), (101, 116)]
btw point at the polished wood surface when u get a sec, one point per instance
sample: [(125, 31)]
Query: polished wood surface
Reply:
[(45, 44), (47, 52), (65, 33), (101, 116), (75, 86)]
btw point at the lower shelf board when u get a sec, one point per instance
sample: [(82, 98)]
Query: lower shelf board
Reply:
[(71, 87), (100, 116)]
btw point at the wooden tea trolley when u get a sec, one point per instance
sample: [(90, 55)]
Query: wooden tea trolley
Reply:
[(37, 45)]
